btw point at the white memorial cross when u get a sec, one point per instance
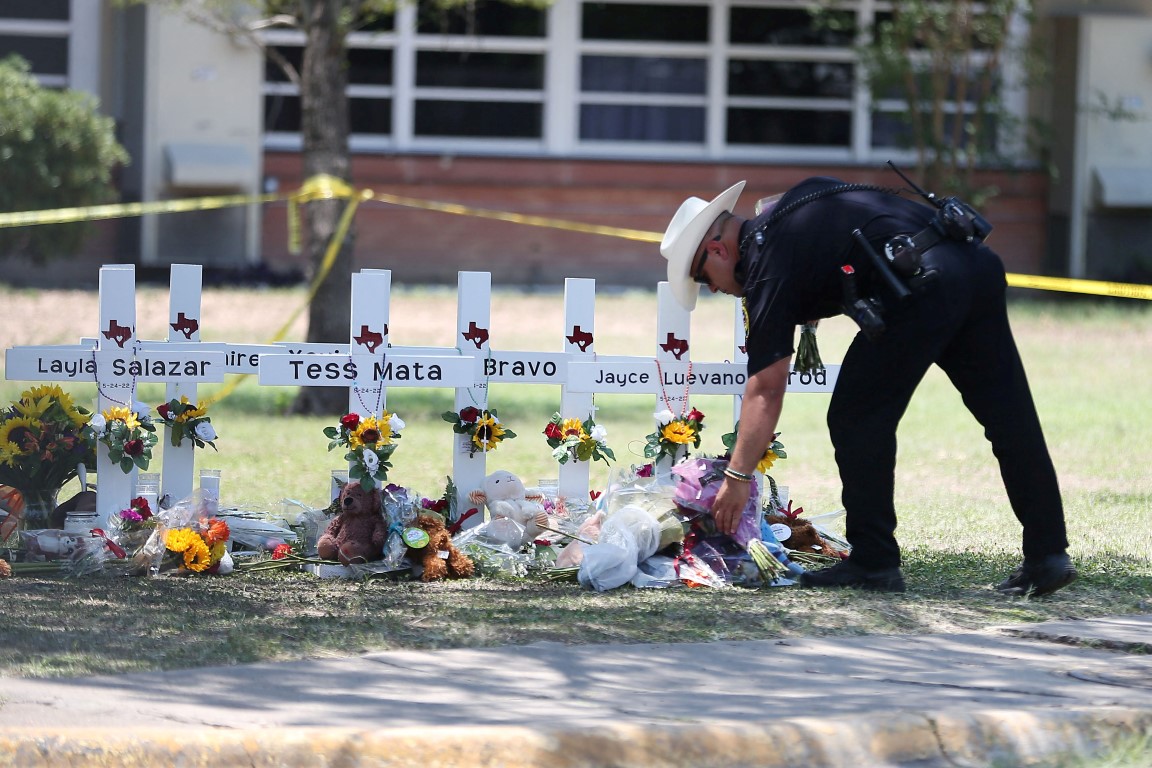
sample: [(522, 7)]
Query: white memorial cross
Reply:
[(116, 363), (367, 366), (673, 376)]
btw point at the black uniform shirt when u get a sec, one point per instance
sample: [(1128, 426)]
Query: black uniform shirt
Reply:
[(794, 276)]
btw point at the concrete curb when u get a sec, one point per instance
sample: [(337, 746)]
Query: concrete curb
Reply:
[(952, 738)]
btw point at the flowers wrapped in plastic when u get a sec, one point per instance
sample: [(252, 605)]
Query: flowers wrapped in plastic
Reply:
[(749, 557), (188, 539)]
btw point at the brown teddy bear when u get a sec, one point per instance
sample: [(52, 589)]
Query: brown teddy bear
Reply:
[(359, 530), (803, 537), (439, 556)]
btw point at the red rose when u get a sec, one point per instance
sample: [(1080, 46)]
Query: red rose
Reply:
[(695, 415), (140, 506), (134, 447), (281, 551), (552, 431), (469, 415), (350, 421), (164, 411)]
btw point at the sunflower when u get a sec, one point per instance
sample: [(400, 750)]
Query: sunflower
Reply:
[(126, 415), (488, 432), (189, 412), (35, 402), (768, 460), (371, 432), (678, 432), (185, 540), (573, 427), (12, 436)]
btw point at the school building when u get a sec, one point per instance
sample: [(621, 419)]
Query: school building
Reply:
[(606, 112)]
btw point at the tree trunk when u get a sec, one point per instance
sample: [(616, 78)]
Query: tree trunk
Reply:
[(324, 127)]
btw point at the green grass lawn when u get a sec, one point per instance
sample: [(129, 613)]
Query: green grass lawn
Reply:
[(1089, 364)]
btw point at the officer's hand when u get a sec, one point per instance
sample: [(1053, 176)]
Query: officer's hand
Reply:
[(729, 505)]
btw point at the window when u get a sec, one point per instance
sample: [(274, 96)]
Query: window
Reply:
[(743, 80)]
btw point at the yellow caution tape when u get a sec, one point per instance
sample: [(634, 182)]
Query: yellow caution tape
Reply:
[(320, 191), (1070, 285), (326, 187)]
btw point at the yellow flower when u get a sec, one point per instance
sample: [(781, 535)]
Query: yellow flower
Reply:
[(126, 415), (9, 448), (678, 432), (488, 433), (371, 432), (767, 462), (185, 540), (36, 402), (570, 427), (190, 413)]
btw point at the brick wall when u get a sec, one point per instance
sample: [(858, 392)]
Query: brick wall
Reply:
[(426, 246)]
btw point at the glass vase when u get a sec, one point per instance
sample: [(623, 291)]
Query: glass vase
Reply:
[(40, 509)]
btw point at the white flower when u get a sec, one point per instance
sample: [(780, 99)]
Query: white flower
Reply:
[(98, 424), (599, 434), (371, 461), (396, 423), (205, 432), (664, 417), (141, 410)]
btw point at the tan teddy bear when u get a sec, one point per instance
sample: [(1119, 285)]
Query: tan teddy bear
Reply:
[(359, 530), (439, 557)]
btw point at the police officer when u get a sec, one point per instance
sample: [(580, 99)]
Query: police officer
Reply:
[(802, 259)]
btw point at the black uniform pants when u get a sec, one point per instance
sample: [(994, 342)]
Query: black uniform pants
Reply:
[(959, 322)]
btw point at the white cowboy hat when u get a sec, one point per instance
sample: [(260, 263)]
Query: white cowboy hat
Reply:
[(683, 236)]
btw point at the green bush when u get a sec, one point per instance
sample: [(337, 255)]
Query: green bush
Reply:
[(56, 151)]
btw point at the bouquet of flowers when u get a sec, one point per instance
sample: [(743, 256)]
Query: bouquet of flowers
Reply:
[(672, 433), (483, 428), (370, 443), (129, 435), (42, 443), (807, 351), (196, 548), (577, 440), (185, 420), (131, 527)]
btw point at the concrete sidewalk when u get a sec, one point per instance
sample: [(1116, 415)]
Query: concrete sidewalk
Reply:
[(999, 697)]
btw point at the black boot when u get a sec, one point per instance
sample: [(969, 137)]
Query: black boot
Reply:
[(848, 574), (1040, 577)]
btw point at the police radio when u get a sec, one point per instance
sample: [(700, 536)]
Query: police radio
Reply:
[(954, 218)]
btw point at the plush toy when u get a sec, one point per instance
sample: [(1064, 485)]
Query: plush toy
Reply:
[(438, 555), (358, 532), (507, 499), (802, 536)]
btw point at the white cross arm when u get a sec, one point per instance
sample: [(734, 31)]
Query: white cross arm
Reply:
[(392, 370), (238, 358), (703, 379), (79, 364)]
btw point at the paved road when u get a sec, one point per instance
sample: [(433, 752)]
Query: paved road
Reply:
[(1010, 694)]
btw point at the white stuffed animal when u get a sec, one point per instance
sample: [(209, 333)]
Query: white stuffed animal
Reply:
[(507, 499)]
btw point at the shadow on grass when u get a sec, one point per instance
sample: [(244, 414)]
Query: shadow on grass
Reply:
[(62, 627)]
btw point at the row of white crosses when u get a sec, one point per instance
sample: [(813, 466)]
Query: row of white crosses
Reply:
[(369, 364)]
